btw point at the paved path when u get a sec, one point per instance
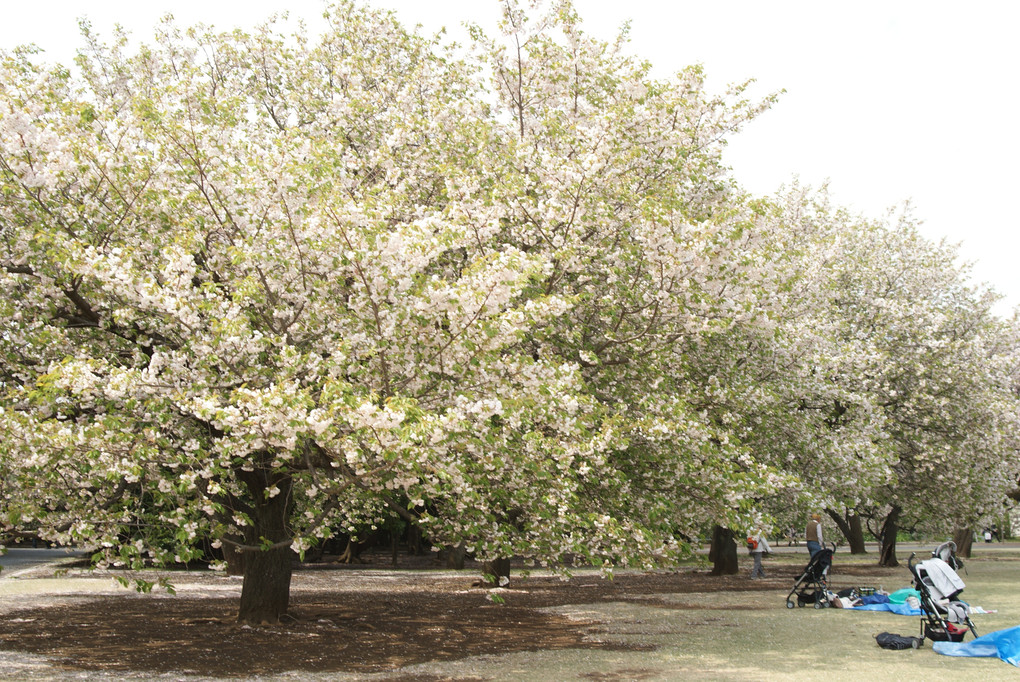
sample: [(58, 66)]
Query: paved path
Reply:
[(18, 560), (903, 549)]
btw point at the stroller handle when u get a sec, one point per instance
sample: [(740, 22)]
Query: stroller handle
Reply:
[(910, 561)]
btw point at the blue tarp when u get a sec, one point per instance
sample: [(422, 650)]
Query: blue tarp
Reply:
[(901, 609), (1004, 644)]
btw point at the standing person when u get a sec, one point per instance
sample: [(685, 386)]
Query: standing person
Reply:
[(758, 545), (813, 534)]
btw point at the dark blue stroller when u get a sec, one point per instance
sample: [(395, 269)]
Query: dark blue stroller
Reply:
[(813, 583)]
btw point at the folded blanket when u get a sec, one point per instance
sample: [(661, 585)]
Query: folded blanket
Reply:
[(900, 596), (875, 599), (1004, 644)]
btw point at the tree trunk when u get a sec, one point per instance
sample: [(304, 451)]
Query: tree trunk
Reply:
[(851, 528), (455, 556), (964, 538), (352, 553), (856, 537), (890, 528), (233, 557), (499, 570), (416, 545), (265, 592), (723, 552)]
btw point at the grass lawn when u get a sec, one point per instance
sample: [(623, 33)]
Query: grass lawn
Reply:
[(836, 644), (690, 626), (753, 636)]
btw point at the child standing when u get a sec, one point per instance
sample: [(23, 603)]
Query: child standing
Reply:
[(758, 545)]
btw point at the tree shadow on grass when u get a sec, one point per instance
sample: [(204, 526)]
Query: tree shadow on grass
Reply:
[(334, 630)]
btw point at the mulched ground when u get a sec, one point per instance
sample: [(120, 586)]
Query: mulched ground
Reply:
[(374, 627)]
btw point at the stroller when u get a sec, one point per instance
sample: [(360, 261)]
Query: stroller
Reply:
[(812, 585), (943, 617)]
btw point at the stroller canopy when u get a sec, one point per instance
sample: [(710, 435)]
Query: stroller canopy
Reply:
[(942, 581)]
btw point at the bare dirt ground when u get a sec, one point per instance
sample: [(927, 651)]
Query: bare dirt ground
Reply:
[(342, 619)]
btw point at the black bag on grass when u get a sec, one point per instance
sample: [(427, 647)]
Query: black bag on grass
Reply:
[(887, 640)]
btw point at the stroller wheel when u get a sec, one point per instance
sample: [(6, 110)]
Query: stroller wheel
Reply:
[(789, 604), (819, 605)]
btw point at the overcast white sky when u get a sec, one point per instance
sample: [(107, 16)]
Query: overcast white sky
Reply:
[(889, 100)]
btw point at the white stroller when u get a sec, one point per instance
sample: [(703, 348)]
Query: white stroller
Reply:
[(943, 616)]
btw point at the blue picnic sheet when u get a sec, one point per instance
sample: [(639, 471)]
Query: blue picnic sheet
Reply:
[(1004, 644), (901, 609)]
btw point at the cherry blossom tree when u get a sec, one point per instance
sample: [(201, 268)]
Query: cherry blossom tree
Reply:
[(873, 304), (259, 288), (251, 294), (825, 436), (619, 179), (938, 362)]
